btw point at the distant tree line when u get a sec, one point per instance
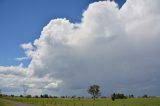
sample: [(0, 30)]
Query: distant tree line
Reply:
[(93, 90)]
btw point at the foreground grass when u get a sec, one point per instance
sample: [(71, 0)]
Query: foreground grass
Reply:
[(88, 102), (4, 103)]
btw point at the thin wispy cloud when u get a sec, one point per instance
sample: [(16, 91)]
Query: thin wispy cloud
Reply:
[(21, 58)]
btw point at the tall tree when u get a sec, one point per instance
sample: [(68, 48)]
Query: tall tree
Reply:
[(94, 90), (0, 91), (113, 96)]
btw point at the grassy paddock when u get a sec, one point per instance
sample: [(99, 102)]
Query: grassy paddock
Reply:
[(4, 103), (88, 102)]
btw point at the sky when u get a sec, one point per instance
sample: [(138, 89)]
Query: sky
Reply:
[(22, 21), (55, 44)]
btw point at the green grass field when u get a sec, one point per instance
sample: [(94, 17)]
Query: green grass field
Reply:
[(88, 102), (4, 103)]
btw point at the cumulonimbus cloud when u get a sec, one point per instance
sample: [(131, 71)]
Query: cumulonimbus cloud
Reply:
[(115, 48)]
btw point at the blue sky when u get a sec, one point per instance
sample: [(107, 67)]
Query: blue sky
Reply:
[(21, 21)]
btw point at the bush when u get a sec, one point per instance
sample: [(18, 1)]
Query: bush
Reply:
[(131, 96), (21, 96), (44, 96), (55, 97), (12, 95), (118, 96), (113, 96), (36, 96), (28, 96), (145, 96)]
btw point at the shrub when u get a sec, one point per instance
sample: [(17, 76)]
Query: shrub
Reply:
[(12, 95), (28, 96), (21, 96), (113, 96), (118, 96), (145, 96)]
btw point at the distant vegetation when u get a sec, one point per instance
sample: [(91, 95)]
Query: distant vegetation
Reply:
[(118, 96), (116, 99)]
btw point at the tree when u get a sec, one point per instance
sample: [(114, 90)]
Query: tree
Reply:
[(12, 95), (28, 96), (46, 96), (0, 93), (131, 96), (145, 96), (36, 96), (113, 96), (41, 96), (20, 95), (94, 90), (118, 96)]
